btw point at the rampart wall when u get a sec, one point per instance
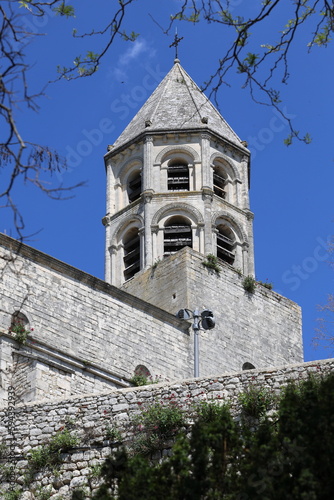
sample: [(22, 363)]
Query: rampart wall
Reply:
[(90, 416)]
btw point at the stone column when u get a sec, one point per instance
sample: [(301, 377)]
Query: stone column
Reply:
[(250, 249), (246, 268), (113, 279), (111, 207), (146, 245), (107, 263), (207, 198), (205, 154), (147, 173), (155, 253), (142, 246), (245, 185), (201, 236), (192, 177)]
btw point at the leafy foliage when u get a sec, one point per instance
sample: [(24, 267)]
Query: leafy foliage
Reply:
[(49, 456), (156, 425), (290, 458), (256, 401), (20, 332), (212, 262), (249, 284)]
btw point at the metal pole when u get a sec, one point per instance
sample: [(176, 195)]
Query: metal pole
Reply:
[(196, 335)]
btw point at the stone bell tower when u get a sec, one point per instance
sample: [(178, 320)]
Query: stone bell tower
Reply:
[(177, 176)]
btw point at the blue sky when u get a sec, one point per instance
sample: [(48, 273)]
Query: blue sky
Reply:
[(291, 187)]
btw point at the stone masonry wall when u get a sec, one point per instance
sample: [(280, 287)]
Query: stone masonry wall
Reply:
[(90, 415), (87, 335), (262, 328)]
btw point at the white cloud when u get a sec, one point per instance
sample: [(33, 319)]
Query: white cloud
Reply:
[(137, 48), (133, 53)]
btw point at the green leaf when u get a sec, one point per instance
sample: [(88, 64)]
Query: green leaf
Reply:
[(307, 138), (65, 10)]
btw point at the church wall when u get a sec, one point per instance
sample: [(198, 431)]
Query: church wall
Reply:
[(262, 328), (89, 416), (87, 335)]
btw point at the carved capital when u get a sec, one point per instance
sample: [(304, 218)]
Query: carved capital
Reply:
[(205, 136), (112, 250), (207, 193)]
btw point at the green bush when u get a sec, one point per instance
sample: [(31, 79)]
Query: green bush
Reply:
[(12, 494), (288, 458), (256, 401), (249, 284), (157, 425), (112, 433), (50, 455), (212, 262)]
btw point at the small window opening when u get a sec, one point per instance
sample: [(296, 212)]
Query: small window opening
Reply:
[(248, 366), (19, 318), (219, 183), (131, 245), (142, 370), (178, 177), (225, 245), (134, 186), (177, 235)]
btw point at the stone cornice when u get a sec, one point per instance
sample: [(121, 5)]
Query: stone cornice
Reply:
[(192, 131)]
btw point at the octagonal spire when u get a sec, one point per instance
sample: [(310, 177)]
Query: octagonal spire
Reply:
[(177, 104)]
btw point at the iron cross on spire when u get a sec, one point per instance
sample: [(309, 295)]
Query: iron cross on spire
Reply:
[(175, 44)]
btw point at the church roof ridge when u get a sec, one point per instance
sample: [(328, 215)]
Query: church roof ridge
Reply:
[(177, 104)]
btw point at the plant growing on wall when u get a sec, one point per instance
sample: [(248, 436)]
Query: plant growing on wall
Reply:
[(113, 434), (141, 379), (212, 262), (13, 494), (291, 457), (20, 332), (256, 401), (249, 284), (266, 284), (49, 455), (156, 426)]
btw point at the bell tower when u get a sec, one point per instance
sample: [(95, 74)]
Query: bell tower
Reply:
[(177, 176)]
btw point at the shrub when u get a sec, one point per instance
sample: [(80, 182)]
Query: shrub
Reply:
[(49, 455), (212, 262), (20, 331), (256, 401), (139, 379), (112, 433), (156, 425), (12, 494), (249, 284), (209, 411)]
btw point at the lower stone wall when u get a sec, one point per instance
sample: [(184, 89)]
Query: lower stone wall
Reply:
[(89, 417)]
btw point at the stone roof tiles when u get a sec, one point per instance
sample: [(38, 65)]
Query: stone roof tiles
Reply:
[(177, 104)]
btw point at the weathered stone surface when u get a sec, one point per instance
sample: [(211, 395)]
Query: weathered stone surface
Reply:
[(77, 464)]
